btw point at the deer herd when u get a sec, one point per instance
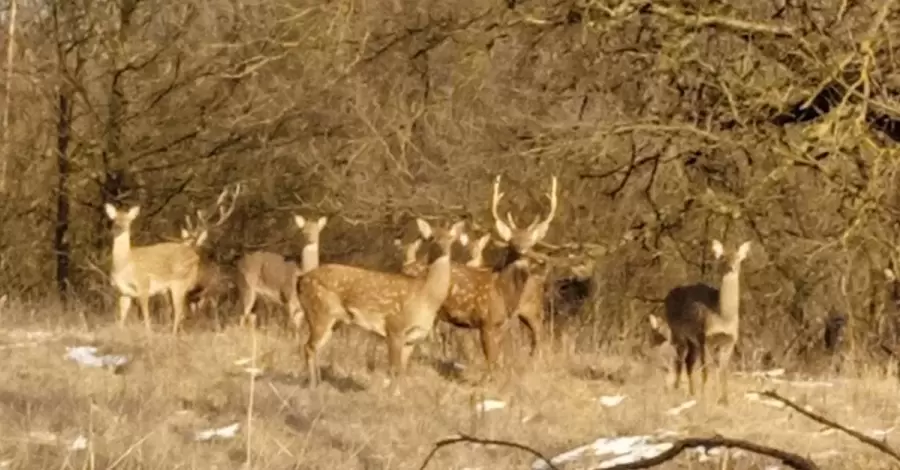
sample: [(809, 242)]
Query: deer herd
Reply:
[(403, 307)]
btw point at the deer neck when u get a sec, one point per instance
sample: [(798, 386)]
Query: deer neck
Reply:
[(437, 281), (310, 259), (509, 258), (730, 295), (121, 249)]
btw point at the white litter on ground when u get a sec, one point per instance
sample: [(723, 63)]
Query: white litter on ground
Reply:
[(681, 408), (610, 401), (49, 438), (87, 356), (880, 433), (80, 443), (628, 449), (225, 432), (490, 405)]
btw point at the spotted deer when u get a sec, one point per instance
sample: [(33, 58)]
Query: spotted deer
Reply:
[(214, 281), (399, 308), (413, 265), (139, 272), (485, 299), (702, 319), (274, 277)]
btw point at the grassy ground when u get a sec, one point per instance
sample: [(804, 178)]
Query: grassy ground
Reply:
[(146, 414)]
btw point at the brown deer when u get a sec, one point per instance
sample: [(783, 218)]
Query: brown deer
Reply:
[(397, 307), (143, 271), (214, 281), (702, 319), (274, 277), (485, 299)]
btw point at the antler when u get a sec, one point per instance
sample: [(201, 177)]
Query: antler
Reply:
[(495, 201), (538, 227), (224, 207)]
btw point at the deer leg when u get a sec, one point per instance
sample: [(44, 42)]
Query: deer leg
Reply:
[(724, 358), (690, 361), (489, 346), (144, 304), (319, 334), (248, 300), (124, 307), (534, 328), (395, 357), (178, 303), (678, 365)]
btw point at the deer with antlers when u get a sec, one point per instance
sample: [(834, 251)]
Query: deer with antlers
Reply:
[(214, 281), (400, 308), (485, 299), (274, 277), (139, 272)]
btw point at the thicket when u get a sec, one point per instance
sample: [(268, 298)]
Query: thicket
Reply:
[(668, 123)]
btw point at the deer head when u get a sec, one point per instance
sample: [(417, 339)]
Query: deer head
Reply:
[(196, 232), (522, 240)]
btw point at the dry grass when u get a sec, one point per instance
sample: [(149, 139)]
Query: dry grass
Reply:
[(145, 415)]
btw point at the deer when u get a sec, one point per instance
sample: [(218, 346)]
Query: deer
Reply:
[(412, 265), (274, 277), (702, 319), (214, 281), (139, 272), (485, 299), (397, 307)]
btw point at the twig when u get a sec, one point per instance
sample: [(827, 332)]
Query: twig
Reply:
[(790, 459), (10, 56), (884, 448), (462, 438)]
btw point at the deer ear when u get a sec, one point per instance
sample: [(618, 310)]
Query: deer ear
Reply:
[(717, 248), (300, 221), (424, 229), (503, 230), (133, 212), (539, 231), (483, 241), (744, 250), (110, 210), (322, 221)]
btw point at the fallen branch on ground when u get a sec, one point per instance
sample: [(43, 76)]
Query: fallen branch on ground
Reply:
[(884, 448), (787, 458), (484, 442)]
